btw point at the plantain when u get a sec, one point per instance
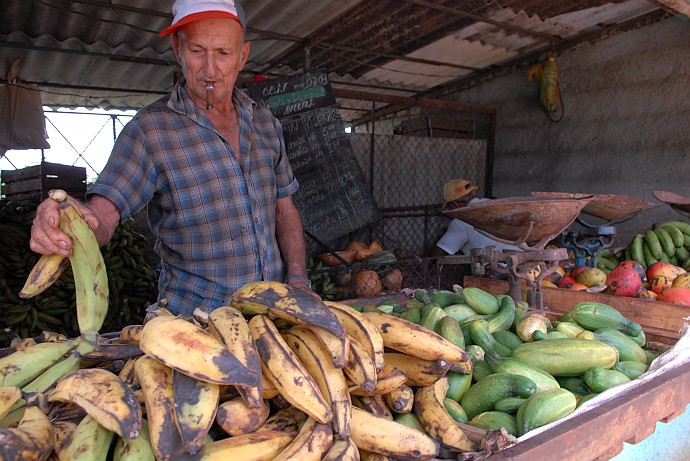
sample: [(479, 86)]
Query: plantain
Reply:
[(21, 367), (229, 326), (104, 396), (237, 418), (311, 443), (156, 382), (400, 399), (331, 380), (390, 438), (88, 267), (429, 408), (262, 445), (360, 367), (32, 439), (286, 372), (45, 272), (139, 449), (9, 395), (342, 450), (361, 329), (387, 379), (196, 403), (191, 350), (410, 338), (419, 372), (279, 300), (90, 442)]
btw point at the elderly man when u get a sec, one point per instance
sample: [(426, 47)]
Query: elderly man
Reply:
[(460, 236), (210, 167)]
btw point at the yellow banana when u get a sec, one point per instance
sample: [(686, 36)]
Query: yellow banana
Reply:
[(236, 418), (360, 367), (310, 444), (374, 404), (63, 432), (126, 373), (229, 326), (191, 350), (285, 420), (90, 442), (155, 380), (9, 395), (370, 456), (419, 372), (388, 379), (131, 334), (338, 348), (45, 272), (331, 380), (19, 368), (286, 372), (400, 399), (257, 446), (88, 267), (139, 449), (282, 301), (196, 403), (104, 396), (413, 339), (360, 329), (342, 450), (390, 438), (437, 422), (32, 439)]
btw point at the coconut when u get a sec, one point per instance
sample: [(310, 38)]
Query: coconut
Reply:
[(367, 284)]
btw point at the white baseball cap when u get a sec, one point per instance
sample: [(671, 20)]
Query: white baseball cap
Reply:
[(186, 11)]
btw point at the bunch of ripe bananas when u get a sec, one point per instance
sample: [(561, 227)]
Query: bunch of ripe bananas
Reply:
[(132, 281), (275, 374)]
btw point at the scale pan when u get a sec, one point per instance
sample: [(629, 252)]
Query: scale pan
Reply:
[(532, 220), (677, 202), (609, 207)]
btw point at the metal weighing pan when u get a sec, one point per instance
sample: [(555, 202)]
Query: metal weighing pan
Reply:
[(609, 207), (677, 202), (526, 222)]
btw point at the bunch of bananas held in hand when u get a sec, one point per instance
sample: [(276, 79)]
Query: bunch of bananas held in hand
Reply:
[(274, 374), (37, 293)]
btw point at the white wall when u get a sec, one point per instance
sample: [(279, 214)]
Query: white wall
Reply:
[(626, 127)]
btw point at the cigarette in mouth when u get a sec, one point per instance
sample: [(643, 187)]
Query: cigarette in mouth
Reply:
[(209, 95)]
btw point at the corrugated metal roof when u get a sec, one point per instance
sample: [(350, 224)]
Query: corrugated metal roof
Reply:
[(98, 53)]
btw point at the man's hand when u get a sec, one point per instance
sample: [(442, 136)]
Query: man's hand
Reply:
[(46, 236), (303, 282)]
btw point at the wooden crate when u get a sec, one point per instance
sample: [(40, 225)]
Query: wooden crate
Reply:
[(662, 322), (33, 183), (599, 433)]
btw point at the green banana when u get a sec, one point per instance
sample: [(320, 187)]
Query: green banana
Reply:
[(88, 267), (665, 240), (675, 233), (637, 250), (654, 245)]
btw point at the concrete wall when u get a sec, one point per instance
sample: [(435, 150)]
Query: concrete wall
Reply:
[(626, 127)]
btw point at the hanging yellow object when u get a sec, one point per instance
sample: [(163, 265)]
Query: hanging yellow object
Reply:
[(550, 95)]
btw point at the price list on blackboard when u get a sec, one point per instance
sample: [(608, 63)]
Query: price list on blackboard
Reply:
[(333, 197)]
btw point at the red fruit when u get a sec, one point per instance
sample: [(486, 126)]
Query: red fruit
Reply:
[(566, 282), (666, 269), (635, 265), (675, 295), (624, 281), (578, 287), (576, 270)]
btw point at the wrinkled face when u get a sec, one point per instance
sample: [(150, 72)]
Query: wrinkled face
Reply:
[(211, 50)]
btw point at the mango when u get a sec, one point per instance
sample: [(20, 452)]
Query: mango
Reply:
[(592, 277)]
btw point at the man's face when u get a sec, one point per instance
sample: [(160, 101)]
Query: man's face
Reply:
[(211, 50)]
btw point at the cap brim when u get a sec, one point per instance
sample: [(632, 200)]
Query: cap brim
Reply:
[(197, 17)]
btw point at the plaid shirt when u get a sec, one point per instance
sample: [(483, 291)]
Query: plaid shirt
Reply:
[(213, 216)]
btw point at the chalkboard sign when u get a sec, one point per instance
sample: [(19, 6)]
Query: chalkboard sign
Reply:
[(333, 197)]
